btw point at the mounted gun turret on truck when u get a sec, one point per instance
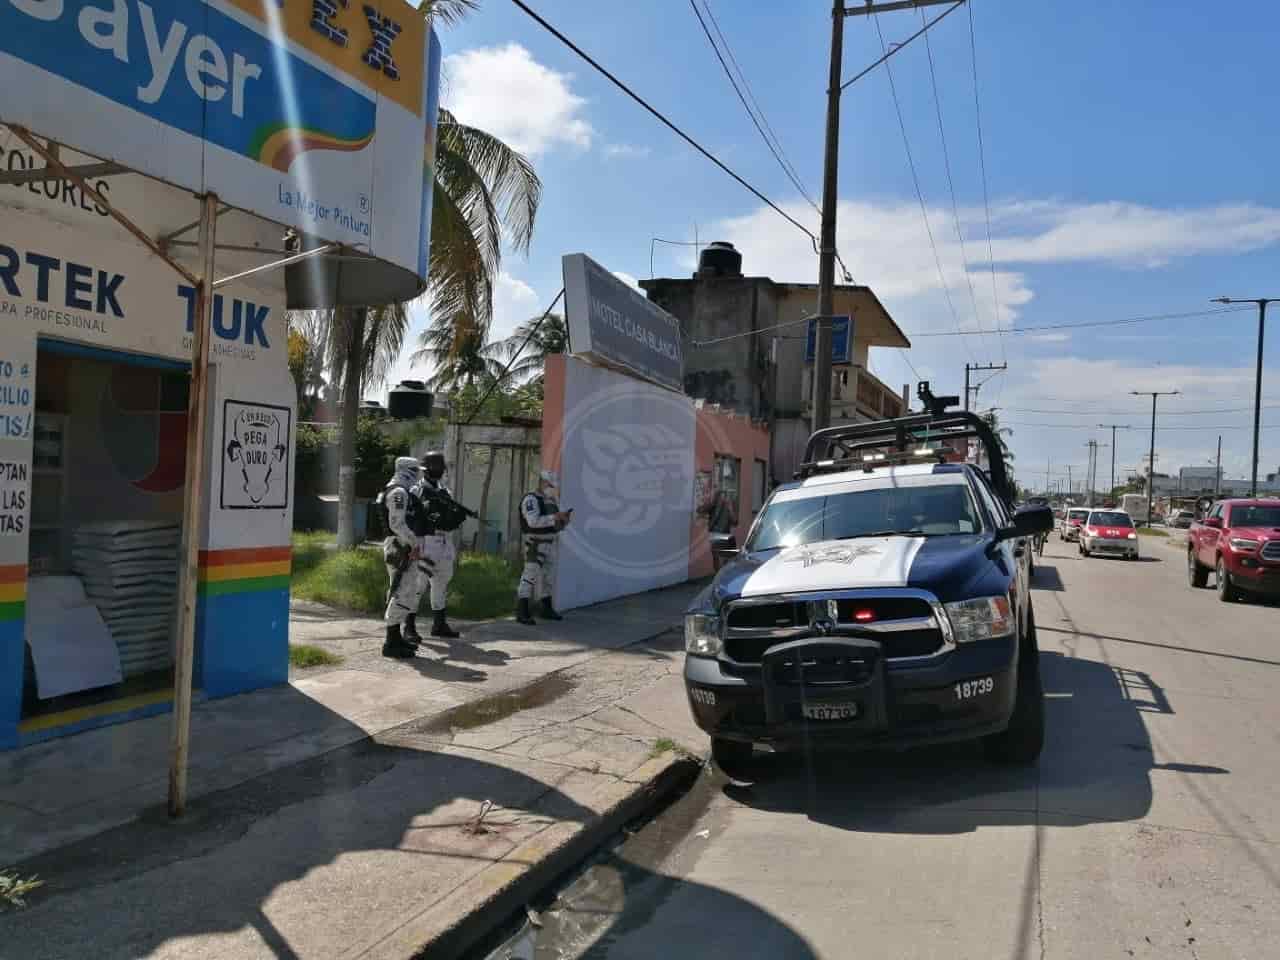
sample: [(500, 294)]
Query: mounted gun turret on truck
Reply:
[(881, 599)]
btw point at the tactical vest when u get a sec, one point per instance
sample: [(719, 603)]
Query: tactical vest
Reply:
[(414, 516), (546, 507)]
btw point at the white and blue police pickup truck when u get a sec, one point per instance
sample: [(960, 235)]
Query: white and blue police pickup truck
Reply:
[(881, 600)]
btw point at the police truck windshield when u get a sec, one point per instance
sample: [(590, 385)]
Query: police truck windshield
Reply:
[(936, 510)]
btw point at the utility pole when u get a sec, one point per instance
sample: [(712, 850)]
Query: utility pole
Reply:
[(1217, 470), (1151, 469), (1070, 485), (1257, 379), (1114, 427), (975, 367), (1092, 471), (1047, 465), (830, 174)]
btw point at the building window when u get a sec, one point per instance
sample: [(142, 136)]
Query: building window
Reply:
[(759, 486)]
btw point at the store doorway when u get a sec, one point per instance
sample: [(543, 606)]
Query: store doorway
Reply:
[(108, 469)]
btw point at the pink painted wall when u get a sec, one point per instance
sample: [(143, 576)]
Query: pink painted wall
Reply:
[(728, 434)]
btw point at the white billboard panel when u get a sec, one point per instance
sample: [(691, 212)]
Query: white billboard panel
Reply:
[(627, 470)]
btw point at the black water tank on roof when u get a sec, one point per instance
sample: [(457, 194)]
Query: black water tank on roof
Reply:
[(409, 400), (719, 259)]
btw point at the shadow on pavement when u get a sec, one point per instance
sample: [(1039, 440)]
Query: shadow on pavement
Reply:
[(317, 858), (1046, 577), (627, 905), (1159, 646), (1095, 768)]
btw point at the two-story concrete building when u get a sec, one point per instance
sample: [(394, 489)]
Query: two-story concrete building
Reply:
[(738, 355)]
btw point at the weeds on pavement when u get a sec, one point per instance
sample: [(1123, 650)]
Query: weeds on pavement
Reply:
[(14, 889), (306, 655)]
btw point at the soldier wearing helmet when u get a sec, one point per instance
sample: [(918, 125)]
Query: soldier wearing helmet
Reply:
[(541, 520), (402, 553), (444, 515)]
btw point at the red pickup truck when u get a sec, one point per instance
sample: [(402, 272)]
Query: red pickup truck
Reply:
[(1240, 541)]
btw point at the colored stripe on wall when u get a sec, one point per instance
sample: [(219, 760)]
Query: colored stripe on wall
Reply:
[(244, 570), (13, 592), (14, 573), (112, 708)]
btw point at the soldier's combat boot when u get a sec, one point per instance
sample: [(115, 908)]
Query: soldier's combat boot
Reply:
[(410, 631), (441, 627), (394, 646), (548, 612), (522, 612)]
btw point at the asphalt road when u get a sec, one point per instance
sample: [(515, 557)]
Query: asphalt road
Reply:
[(1149, 829)]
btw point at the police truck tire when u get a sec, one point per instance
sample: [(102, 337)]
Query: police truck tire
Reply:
[(734, 758), (1021, 743)]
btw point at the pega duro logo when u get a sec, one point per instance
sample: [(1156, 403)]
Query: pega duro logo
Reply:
[(255, 462)]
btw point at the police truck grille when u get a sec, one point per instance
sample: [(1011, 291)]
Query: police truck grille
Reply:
[(905, 626)]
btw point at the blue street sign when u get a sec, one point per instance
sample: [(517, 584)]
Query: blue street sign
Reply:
[(841, 340)]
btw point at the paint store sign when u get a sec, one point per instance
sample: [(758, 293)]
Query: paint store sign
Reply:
[(77, 300)]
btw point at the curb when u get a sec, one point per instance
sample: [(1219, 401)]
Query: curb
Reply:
[(448, 927)]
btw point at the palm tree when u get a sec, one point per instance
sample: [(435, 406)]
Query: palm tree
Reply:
[(363, 343), (527, 359), (308, 340), (483, 191), (456, 351)]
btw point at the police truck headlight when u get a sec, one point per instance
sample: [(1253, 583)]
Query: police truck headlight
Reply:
[(702, 635), (980, 619)]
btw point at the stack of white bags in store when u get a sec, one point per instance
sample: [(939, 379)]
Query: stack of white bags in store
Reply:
[(130, 573)]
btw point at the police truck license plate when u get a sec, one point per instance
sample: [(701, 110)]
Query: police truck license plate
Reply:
[(829, 711)]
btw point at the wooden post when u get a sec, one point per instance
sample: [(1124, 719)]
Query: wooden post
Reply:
[(192, 507)]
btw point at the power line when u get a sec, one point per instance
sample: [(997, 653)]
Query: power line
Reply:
[(1092, 426), (658, 115), (751, 333), (982, 165), (1137, 413), (1091, 323), (893, 89), (770, 139), (951, 184)]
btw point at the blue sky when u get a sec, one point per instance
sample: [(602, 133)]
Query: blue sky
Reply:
[(1128, 156)]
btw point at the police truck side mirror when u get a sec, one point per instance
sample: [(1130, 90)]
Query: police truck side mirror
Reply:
[(1029, 521), (724, 546)]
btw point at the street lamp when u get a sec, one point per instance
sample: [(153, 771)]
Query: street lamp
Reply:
[(1151, 470), (1257, 378)]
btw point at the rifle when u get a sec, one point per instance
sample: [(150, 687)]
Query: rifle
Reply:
[(446, 513)]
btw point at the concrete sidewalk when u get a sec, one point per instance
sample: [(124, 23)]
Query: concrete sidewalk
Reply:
[(336, 816)]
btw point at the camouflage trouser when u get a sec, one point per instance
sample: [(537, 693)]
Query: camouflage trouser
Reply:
[(539, 566), (407, 583), (437, 560)]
